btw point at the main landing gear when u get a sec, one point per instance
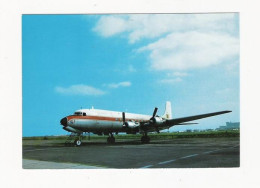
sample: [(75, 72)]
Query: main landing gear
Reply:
[(111, 139), (145, 139)]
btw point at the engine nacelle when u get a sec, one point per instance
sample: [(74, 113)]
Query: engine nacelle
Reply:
[(132, 124), (157, 120)]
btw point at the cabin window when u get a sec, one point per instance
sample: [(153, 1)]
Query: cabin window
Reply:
[(84, 114)]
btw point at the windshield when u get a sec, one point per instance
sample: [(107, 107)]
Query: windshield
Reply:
[(78, 113)]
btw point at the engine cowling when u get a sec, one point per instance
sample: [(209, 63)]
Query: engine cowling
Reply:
[(132, 124), (157, 120)]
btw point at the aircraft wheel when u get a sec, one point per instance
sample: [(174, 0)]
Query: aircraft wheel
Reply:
[(77, 142)]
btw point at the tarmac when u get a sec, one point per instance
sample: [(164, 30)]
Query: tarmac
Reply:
[(131, 154)]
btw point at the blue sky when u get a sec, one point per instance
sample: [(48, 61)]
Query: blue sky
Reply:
[(129, 63)]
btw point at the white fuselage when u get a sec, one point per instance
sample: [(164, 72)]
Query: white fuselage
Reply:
[(94, 120)]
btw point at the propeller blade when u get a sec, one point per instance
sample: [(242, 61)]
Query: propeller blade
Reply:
[(154, 112), (123, 115)]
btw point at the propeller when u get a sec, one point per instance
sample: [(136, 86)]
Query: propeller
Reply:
[(152, 120), (123, 117), (154, 112)]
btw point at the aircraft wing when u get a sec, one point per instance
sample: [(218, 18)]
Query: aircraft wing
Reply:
[(180, 121)]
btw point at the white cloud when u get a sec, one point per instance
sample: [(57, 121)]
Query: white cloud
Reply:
[(110, 25), (141, 26), (181, 41), (182, 51), (80, 90), (120, 84)]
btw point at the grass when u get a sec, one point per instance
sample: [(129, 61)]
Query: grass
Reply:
[(204, 134)]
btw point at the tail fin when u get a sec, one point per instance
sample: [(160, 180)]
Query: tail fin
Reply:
[(168, 110)]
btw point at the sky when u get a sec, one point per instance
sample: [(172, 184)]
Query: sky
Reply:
[(131, 63)]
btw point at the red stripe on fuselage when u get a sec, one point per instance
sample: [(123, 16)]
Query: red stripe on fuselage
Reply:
[(101, 118)]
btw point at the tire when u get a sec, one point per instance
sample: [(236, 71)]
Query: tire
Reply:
[(77, 142)]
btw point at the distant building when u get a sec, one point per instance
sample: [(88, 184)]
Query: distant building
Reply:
[(230, 126)]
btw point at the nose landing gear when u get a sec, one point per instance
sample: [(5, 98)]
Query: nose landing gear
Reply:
[(76, 137)]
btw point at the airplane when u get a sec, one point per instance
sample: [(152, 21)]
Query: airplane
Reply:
[(104, 122)]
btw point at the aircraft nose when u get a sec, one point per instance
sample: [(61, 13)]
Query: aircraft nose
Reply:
[(64, 121)]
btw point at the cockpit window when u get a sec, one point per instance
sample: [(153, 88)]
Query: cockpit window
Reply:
[(78, 113)]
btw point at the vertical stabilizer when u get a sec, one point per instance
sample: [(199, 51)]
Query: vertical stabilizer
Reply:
[(168, 110)]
